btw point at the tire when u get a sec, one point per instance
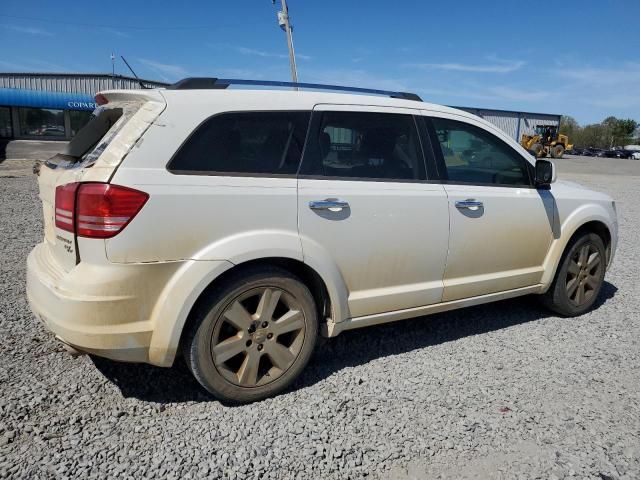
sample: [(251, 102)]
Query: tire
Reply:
[(557, 151), (563, 296), (538, 150), (253, 336)]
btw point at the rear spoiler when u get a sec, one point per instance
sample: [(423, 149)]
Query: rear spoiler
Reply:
[(141, 96)]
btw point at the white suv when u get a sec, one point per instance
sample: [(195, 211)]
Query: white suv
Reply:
[(235, 226)]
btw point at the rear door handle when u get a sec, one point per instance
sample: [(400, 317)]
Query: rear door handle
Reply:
[(470, 203), (332, 204)]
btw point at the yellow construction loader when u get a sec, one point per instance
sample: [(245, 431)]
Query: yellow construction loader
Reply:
[(546, 141)]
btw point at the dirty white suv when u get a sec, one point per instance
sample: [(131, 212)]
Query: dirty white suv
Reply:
[(236, 226)]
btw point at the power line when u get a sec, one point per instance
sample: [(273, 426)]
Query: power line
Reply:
[(97, 25)]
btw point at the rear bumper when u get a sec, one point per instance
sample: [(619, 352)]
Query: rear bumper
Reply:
[(100, 309)]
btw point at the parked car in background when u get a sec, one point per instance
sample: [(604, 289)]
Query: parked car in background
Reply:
[(635, 151), (590, 152), (234, 227), (574, 151), (618, 153)]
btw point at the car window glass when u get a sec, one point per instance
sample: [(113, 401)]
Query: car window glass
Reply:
[(473, 155), (365, 145), (245, 143)]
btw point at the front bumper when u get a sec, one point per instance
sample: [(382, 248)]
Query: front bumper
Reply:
[(98, 309)]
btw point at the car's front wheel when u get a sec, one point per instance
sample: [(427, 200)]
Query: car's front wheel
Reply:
[(253, 336), (579, 277)]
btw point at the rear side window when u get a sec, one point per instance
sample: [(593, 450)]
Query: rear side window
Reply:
[(244, 143), (473, 155), (366, 145)]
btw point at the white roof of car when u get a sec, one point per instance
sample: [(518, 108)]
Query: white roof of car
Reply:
[(245, 99), (301, 99)]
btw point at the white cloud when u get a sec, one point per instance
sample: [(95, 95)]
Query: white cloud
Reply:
[(354, 77), (116, 33), (166, 71), (33, 64), (262, 53), (524, 95), (495, 96), (495, 66), (601, 77), (259, 53), (613, 89), (52, 67), (29, 30), (239, 73), (16, 67)]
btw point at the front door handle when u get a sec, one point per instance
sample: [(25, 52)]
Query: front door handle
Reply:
[(470, 203), (332, 204)]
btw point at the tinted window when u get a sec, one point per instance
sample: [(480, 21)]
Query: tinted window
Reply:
[(78, 119), (98, 125), (364, 145), (5, 123), (472, 155), (247, 142), (41, 122)]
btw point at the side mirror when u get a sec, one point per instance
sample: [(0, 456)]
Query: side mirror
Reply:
[(545, 173)]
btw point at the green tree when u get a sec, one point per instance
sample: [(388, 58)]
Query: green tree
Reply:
[(594, 135), (622, 131), (611, 132), (569, 126)]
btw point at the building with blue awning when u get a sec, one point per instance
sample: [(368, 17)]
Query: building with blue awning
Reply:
[(19, 97), (53, 106)]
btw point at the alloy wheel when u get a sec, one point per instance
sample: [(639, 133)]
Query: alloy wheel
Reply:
[(258, 337), (584, 274)]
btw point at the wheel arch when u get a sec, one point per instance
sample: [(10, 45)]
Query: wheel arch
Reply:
[(325, 304), (592, 224)]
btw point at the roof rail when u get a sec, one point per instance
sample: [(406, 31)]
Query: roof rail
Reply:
[(205, 83)]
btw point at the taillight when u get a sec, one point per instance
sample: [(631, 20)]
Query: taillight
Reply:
[(101, 99), (97, 210), (66, 206)]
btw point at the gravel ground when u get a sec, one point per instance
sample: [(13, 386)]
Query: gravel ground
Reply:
[(498, 391)]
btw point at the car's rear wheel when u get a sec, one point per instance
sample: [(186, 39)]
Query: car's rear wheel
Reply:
[(253, 336), (579, 277)]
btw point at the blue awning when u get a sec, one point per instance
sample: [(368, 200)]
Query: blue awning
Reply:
[(19, 97)]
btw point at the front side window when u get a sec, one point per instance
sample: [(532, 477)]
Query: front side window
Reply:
[(244, 143), (364, 145), (473, 155)]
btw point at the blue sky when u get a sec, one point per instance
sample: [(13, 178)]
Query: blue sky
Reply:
[(497, 54)]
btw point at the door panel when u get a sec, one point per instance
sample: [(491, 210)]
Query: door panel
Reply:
[(363, 205), (501, 227), (390, 244), (499, 246)]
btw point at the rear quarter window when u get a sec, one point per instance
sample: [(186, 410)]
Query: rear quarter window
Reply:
[(244, 143), (92, 139)]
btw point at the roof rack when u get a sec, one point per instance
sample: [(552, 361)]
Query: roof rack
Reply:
[(206, 83)]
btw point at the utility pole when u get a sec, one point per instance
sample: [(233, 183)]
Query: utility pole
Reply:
[(283, 21), (113, 71)]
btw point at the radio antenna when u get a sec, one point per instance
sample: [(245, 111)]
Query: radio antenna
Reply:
[(142, 85)]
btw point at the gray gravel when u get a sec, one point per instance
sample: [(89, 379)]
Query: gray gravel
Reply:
[(499, 391)]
